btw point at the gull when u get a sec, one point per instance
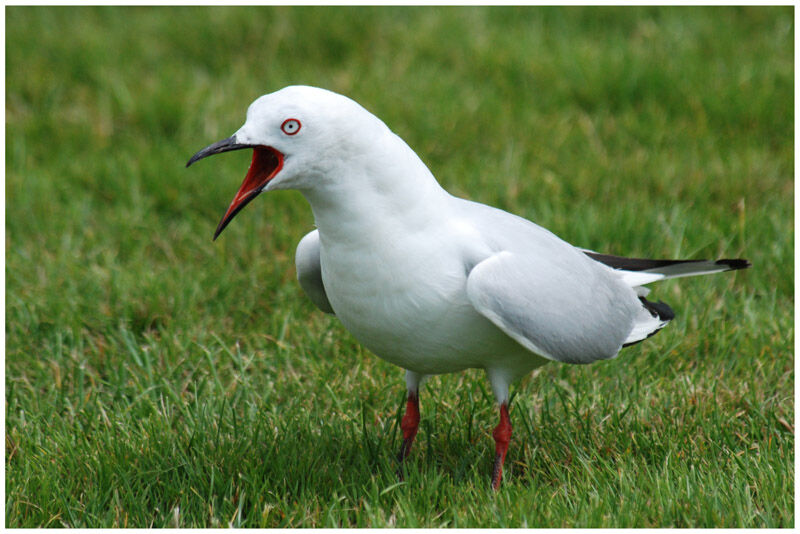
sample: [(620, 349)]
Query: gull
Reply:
[(430, 282)]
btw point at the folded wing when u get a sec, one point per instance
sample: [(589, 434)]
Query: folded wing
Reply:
[(564, 309), (309, 271)]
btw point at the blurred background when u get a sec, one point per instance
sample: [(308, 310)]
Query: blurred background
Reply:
[(655, 132)]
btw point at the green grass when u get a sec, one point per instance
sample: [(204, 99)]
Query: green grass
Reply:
[(154, 378)]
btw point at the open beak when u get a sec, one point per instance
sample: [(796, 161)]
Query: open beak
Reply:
[(267, 162)]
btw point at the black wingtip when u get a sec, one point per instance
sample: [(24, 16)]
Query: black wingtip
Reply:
[(658, 309), (644, 264), (739, 263)]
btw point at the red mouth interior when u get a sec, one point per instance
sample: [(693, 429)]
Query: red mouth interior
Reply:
[(266, 163)]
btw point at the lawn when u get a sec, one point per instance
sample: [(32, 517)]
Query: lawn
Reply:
[(156, 378)]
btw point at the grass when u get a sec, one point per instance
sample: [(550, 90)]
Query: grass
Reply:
[(154, 378)]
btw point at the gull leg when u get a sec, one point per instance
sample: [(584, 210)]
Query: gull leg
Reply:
[(502, 437), (410, 422), (500, 381)]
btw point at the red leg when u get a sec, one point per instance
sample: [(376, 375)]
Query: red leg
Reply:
[(409, 424), (502, 437)]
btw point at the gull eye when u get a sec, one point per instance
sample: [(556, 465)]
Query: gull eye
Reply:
[(290, 126)]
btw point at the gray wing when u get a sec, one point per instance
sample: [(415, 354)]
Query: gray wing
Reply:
[(562, 308), (309, 272)]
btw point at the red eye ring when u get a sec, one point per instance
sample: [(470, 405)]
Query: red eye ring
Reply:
[(291, 126)]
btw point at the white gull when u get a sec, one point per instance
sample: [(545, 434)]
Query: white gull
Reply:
[(430, 282)]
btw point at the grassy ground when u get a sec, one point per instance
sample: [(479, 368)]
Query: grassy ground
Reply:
[(156, 378)]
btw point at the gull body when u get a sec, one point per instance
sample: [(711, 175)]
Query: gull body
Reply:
[(430, 282)]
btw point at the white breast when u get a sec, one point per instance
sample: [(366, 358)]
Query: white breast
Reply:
[(405, 299)]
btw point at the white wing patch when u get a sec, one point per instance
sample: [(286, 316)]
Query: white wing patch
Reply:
[(645, 327)]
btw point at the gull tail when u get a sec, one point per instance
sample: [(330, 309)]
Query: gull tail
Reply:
[(639, 271)]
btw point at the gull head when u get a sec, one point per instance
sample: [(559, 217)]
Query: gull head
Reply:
[(300, 136)]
